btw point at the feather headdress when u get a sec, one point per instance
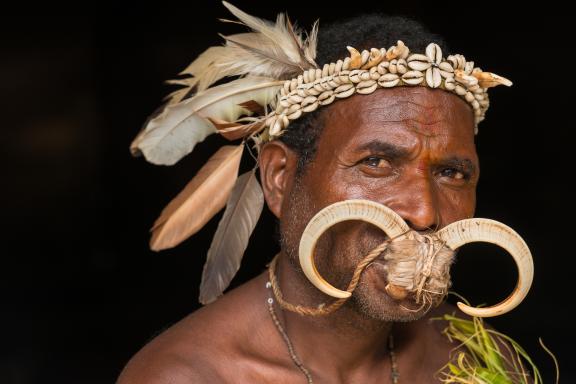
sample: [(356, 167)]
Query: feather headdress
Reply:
[(261, 61), (272, 79)]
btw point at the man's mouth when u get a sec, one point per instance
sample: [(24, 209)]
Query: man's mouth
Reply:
[(380, 270), (382, 283)]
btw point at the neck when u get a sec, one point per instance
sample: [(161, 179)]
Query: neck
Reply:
[(350, 342)]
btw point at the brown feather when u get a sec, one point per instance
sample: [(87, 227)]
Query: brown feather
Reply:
[(253, 107), (237, 130), (242, 212), (201, 199)]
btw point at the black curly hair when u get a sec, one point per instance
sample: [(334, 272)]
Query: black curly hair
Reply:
[(360, 32)]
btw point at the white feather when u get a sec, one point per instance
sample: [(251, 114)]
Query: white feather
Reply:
[(206, 70), (257, 55), (311, 43), (174, 133), (222, 101)]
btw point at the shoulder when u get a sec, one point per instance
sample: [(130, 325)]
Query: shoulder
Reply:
[(205, 346), (179, 355), (163, 367)]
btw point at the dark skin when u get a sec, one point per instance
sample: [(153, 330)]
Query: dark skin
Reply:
[(411, 149)]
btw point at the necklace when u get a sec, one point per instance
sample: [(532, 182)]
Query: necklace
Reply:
[(394, 374)]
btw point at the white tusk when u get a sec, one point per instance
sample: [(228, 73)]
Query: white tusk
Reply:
[(485, 230), (377, 214)]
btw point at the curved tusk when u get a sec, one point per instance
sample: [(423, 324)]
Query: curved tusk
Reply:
[(377, 214), (485, 230)]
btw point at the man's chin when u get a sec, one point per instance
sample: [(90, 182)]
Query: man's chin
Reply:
[(388, 309)]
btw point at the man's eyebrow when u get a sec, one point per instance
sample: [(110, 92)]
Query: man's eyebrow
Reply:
[(394, 152), (389, 150), (464, 164)]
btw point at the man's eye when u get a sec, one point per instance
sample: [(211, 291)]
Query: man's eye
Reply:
[(453, 174), (376, 162)]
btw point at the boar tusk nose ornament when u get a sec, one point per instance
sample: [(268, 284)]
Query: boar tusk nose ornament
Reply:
[(454, 236), (379, 215), (490, 231)]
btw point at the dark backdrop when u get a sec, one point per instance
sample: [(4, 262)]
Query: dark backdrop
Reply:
[(80, 290)]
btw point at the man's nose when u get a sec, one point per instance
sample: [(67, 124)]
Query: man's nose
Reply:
[(417, 204)]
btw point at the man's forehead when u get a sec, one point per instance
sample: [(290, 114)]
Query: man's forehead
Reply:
[(420, 110)]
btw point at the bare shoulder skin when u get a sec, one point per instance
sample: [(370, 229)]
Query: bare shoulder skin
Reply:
[(234, 340)]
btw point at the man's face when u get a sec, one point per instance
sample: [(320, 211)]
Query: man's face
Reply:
[(411, 149)]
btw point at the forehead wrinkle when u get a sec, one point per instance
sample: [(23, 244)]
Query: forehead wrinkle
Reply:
[(384, 101), (418, 96), (417, 104), (413, 122), (400, 110)]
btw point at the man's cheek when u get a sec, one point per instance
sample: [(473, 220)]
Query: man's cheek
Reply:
[(457, 206)]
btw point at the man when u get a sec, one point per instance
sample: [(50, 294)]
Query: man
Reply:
[(409, 148)]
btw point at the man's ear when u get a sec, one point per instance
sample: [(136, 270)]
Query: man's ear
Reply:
[(277, 170)]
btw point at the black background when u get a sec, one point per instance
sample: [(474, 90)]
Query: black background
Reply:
[(80, 290)]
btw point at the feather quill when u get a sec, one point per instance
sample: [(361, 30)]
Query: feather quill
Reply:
[(203, 197), (174, 133), (242, 212)]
